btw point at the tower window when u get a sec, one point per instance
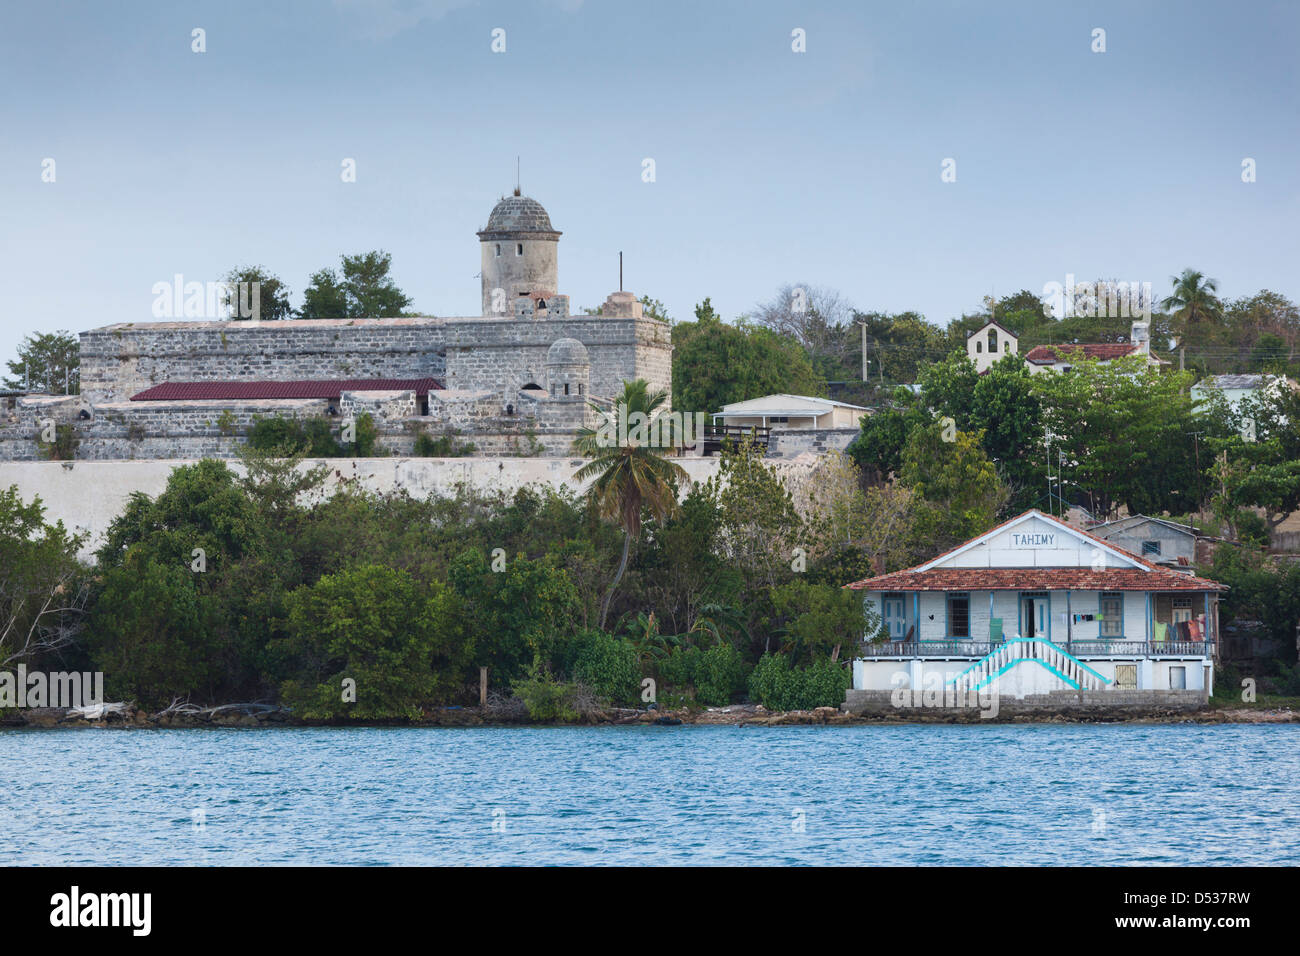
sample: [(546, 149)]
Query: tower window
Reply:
[(993, 340), (498, 250), (566, 388), (519, 248)]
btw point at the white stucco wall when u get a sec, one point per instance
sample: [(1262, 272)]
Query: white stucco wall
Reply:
[(88, 495)]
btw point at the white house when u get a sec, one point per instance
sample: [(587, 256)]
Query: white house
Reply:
[(791, 411), (989, 343), (1036, 606), (1061, 358), (1235, 388)]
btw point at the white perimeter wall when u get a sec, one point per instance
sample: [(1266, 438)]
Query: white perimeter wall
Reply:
[(87, 495)]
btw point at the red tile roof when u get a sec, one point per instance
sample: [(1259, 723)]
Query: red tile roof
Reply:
[(1105, 351), (1037, 579), (320, 388)]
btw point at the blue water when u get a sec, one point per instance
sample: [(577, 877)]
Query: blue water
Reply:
[(1058, 794)]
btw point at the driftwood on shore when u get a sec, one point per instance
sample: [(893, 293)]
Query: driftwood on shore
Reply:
[(183, 709)]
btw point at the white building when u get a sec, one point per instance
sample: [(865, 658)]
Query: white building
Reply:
[(1036, 606), (1236, 388), (986, 345), (791, 411)]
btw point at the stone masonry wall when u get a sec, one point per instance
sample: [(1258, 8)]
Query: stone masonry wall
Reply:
[(118, 361), (1079, 703), (789, 442), (504, 355)]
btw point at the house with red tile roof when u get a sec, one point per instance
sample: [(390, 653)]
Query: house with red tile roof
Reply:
[(1037, 607), (1063, 357)]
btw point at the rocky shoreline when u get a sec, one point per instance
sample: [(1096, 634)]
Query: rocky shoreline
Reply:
[(738, 715)]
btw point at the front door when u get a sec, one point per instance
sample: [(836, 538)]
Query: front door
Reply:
[(1033, 616), (894, 620)]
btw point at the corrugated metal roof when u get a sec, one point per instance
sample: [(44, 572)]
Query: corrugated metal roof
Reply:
[(318, 388)]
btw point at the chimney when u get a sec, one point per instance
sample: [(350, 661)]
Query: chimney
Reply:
[(1140, 335)]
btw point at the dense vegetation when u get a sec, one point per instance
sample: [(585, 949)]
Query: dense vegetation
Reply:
[(227, 588)]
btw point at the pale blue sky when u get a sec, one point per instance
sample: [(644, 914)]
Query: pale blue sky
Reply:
[(772, 166)]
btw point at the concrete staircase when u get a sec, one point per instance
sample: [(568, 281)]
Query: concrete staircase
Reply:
[(1035, 650)]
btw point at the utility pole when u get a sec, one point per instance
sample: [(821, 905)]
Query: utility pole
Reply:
[(864, 352)]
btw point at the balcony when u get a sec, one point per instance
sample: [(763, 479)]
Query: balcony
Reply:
[(961, 648)]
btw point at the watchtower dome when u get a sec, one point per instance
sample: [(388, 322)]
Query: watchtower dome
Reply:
[(568, 369), (520, 254)]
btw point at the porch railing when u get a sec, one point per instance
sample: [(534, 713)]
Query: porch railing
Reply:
[(1089, 648)]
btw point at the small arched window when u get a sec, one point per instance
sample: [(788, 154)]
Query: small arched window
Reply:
[(541, 303), (519, 248), (566, 388), (1006, 345), (979, 347), (498, 250), (993, 340)]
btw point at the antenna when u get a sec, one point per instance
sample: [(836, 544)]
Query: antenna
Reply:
[(620, 271), (517, 176)]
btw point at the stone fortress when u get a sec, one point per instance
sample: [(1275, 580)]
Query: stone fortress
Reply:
[(516, 380)]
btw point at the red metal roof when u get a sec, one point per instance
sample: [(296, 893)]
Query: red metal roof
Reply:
[(319, 388)]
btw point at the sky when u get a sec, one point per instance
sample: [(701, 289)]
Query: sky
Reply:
[(771, 167)]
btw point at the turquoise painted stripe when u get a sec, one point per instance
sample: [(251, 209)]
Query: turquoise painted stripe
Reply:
[(1025, 640), (1026, 660)]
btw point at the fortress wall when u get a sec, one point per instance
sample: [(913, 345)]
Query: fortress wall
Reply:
[(120, 360), (502, 355), (88, 495)]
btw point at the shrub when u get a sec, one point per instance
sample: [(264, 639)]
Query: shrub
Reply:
[(608, 665), (545, 697), (715, 674), (378, 628), (719, 675), (778, 686)]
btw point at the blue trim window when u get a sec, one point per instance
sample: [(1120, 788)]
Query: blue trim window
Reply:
[(1112, 614), (958, 615)]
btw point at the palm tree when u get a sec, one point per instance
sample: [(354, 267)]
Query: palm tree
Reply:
[(1193, 299), (629, 473)]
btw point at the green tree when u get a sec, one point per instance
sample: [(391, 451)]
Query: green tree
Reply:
[(47, 362), (716, 363), (821, 619), (399, 643), (272, 296), (1119, 435), (1006, 410), (363, 290), (950, 471), (152, 632), (1193, 300), (878, 450), (628, 476), (43, 586)]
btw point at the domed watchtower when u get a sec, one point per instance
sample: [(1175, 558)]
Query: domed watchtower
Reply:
[(519, 253), (568, 370)]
